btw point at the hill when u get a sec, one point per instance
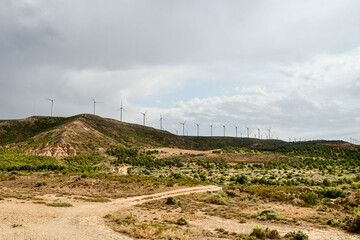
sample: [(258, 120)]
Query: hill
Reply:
[(86, 133)]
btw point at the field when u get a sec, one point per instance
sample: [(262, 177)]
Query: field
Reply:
[(298, 192)]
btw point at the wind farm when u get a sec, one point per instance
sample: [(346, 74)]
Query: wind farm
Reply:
[(180, 120)]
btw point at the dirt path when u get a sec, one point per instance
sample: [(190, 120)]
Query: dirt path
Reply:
[(82, 221)]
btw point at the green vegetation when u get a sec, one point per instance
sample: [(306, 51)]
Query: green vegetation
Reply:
[(84, 163), (261, 233), (20, 162), (59, 204), (299, 235), (14, 131), (269, 214), (310, 198), (171, 201), (219, 198), (136, 158)]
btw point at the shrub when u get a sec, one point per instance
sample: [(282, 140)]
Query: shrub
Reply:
[(59, 204), (273, 234), (269, 214), (260, 233), (296, 236), (327, 182), (219, 198), (332, 193), (240, 179), (310, 199), (181, 221), (354, 225), (171, 201)]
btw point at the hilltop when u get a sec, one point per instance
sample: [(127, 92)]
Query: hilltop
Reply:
[(86, 133)]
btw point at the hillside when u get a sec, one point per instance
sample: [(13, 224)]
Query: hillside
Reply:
[(86, 133)]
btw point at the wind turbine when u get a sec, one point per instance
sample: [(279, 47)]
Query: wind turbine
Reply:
[(94, 104), (248, 132), (259, 133), (121, 110), (144, 114), (269, 130), (161, 120), (197, 126), (236, 127), (224, 126), (52, 105), (183, 123), (211, 129)]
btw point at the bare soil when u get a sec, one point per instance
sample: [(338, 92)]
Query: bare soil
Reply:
[(21, 219)]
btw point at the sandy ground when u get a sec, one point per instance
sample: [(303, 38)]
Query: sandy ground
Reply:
[(85, 220)]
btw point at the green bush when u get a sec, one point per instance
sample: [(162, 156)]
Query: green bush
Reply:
[(258, 232), (354, 225), (296, 236), (327, 182), (269, 214), (181, 221), (219, 198), (261, 233), (310, 199), (240, 179), (332, 193), (171, 201)]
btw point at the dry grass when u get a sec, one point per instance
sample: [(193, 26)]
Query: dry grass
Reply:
[(95, 187)]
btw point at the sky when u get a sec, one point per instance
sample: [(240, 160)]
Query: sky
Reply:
[(292, 66)]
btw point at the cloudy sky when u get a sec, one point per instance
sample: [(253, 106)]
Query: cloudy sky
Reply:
[(292, 65)]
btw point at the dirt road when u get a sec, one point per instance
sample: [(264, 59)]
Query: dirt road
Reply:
[(85, 220)]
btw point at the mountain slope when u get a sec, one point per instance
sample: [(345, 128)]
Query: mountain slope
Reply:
[(86, 133)]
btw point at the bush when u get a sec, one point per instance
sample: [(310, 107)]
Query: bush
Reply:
[(260, 233), (354, 225), (240, 179), (171, 201), (59, 204), (219, 198), (332, 193), (296, 236), (310, 199), (181, 221), (269, 214), (327, 182)]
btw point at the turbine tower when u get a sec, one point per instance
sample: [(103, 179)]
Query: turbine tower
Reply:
[(144, 115), (183, 123), (236, 131), (259, 133), (121, 110), (224, 126), (211, 130), (52, 105), (269, 130), (248, 132), (94, 104), (161, 121), (197, 126)]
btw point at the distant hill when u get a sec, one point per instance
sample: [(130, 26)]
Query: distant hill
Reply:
[(86, 133)]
